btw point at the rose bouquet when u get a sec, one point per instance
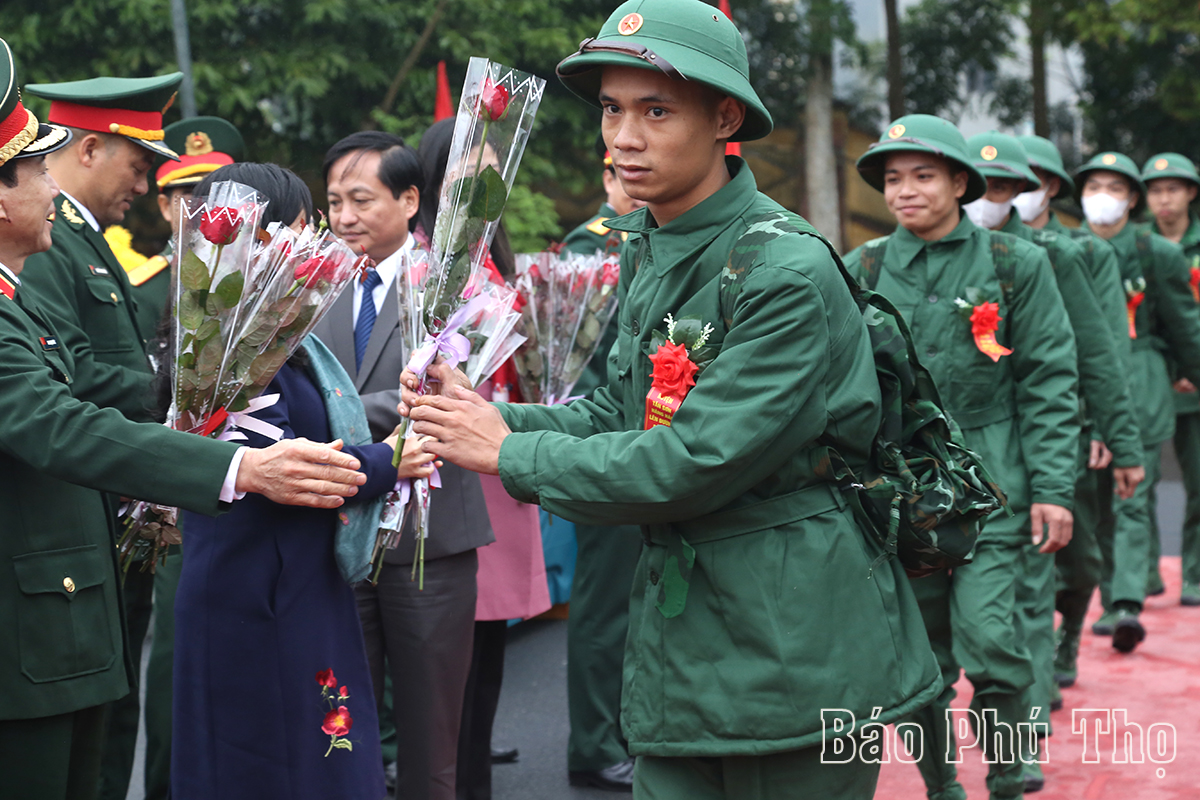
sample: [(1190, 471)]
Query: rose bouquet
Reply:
[(244, 301), (479, 337), (567, 304)]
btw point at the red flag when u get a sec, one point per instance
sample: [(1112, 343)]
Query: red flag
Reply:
[(731, 148), (443, 106)]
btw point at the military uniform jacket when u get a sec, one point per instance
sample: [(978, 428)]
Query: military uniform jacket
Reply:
[(1167, 321), (80, 284), (595, 235), (1020, 413), (1102, 381), (150, 287), (1189, 402), (754, 604), (59, 604)]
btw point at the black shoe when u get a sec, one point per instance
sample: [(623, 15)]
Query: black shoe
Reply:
[(1128, 632), (505, 755), (1055, 705), (617, 778), (1064, 680)]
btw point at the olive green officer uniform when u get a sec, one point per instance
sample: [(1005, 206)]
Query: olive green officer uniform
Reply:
[(605, 561), (1165, 317), (1020, 413), (755, 604), (88, 296), (1187, 404), (1102, 387)]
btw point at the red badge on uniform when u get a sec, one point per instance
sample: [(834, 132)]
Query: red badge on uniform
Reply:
[(1135, 293), (673, 377), (1194, 281), (985, 321)]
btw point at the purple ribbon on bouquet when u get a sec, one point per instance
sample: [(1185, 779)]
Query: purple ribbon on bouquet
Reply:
[(243, 420), (455, 347)]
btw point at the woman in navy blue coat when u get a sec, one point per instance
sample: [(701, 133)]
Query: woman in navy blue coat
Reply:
[(268, 639)]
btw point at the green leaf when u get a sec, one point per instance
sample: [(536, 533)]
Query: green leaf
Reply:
[(266, 365), (343, 744), (191, 310), (192, 272), (488, 195), (230, 289)]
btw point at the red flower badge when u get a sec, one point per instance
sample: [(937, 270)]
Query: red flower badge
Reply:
[(220, 225), (1194, 282), (674, 373), (985, 321)]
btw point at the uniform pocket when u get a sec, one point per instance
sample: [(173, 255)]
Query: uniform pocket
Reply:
[(103, 321), (63, 617)]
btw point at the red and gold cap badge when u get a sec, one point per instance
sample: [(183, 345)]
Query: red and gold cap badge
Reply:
[(988, 153), (895, 132), (631, 24), (1108, 158)]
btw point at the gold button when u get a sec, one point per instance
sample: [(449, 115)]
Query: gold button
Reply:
[(113, 296), (69, 585)]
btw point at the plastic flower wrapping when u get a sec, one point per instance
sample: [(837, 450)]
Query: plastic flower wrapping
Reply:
[(244, 299), (568, 301), (478, 337)]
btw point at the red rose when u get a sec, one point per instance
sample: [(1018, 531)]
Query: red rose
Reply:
[(315, 270), (612, 273), (220, 225), (325, 678), (673, 371), (416, 272), (535, 274), (493, 101), (338, 723), (985, 319)]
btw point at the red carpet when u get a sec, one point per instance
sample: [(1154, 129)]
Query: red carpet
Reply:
[(1158, 683)]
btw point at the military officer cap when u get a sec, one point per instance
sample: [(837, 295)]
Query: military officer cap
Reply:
[(998, 155), (1170, 165), (204, 144), (21, 135), (129, 107), (685, 40), (1110, 161), (922, 133), (1045, 156)]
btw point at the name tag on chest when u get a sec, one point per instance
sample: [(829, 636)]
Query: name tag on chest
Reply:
[(49, 343), (99, 270)]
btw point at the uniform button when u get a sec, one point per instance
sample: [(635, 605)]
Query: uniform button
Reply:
[(933, 298), (69, 585), (931, 351), (113, 296), (636, 327), (654, 578)]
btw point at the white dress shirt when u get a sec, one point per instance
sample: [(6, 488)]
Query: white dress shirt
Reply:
[(387, 270)]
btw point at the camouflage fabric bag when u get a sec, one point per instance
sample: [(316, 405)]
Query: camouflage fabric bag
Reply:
[(923, 496)]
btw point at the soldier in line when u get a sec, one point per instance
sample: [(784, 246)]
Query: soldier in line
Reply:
[(988, 321), (604, 568), (1171, 185), (1162, 315), (731, 655), (1104, 395), (66, 655)]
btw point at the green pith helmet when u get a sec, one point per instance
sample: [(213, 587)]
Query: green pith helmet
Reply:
[(21, 135), (1044, 155), (922, 133), (1170, 165), (1110, 161), (684, 39), (129, 107), (998, 155), (204, 144)]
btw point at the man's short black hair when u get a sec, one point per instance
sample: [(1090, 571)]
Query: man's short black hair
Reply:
[(399, 167), (8, 173)]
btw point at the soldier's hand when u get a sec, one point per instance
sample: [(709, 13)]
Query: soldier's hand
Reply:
[(1126, 480), (1183, 386), (1051, 523), (466, 429), (439, 380), (297, 472), (1100, 456)]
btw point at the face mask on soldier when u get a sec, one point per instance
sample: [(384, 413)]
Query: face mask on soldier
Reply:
[(1103, 209), (988, 214), (1030, 205)]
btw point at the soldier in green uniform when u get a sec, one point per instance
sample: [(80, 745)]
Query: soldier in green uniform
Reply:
[(1171, 186), (755, 605), (1104, 394), (1079, 563), (1162, 315), (604, 565), (65, 655), (989, 323), (204, 144)]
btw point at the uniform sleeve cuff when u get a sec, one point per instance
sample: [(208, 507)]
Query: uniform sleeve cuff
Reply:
[(229, 491), (518, 465), (1067, 501)]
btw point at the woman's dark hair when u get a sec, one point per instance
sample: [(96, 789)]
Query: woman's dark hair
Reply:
[(399, 167), (286, 194), (434, 153)]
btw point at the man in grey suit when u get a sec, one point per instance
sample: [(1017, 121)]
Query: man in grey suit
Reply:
[(374, 183)]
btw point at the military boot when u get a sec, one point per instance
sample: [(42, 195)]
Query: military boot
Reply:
[(1189, 595), (1104, 625), (1128, 632), (1073, 607), (1031, 773)]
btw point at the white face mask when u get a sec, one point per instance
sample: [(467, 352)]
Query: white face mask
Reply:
[(1104, 209), (986, 214), (1030, 205)]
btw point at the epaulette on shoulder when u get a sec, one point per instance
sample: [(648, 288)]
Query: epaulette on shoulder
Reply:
[(146, 270), (597, 227)]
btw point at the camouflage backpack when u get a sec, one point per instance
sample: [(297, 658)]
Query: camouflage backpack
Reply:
[(923, 496)]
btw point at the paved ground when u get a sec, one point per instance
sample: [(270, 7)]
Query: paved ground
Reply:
[(533, 706)]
